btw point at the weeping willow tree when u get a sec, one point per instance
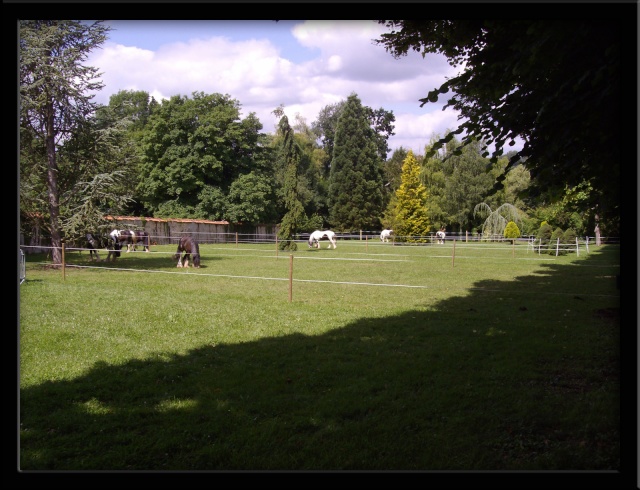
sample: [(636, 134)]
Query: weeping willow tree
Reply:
[(496, 220)]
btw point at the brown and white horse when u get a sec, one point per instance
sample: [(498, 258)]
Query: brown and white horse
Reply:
[(131, 238), (316, 236), (94, 243), (190, 247)]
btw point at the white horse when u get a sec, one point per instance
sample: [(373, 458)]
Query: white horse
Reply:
[(316, 236), (441, 236), (385, 235)]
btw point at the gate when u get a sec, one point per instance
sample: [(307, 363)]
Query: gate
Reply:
[(23, 270)]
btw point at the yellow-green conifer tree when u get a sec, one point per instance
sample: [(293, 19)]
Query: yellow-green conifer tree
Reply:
[(411, 205)]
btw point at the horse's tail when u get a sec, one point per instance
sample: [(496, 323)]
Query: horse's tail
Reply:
[(195, 256)]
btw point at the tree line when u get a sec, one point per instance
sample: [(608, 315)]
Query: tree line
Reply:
[(195, 157)]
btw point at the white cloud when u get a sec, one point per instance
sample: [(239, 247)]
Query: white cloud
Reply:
[(253, 71)]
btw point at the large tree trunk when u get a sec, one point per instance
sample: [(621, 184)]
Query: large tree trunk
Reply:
[(52, 183)]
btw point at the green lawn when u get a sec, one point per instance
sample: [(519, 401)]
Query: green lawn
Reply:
[(374, 357)]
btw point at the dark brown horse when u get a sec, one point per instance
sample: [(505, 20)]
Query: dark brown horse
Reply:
[(190, 247)]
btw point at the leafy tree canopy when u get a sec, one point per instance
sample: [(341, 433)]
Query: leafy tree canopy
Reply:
[(380, 120), (194, 147), (553, 83)]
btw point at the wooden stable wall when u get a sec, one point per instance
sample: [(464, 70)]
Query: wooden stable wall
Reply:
[(169, 231)]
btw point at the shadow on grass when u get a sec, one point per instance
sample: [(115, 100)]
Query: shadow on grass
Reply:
[(134, 260), (529, 385)]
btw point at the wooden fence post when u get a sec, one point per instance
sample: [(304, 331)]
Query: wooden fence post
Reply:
[(453, 254), (63, 264), (290, 277)]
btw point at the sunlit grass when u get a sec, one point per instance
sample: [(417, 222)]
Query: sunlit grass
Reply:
[(386, 357)]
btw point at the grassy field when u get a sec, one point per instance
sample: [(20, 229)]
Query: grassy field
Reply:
[(372, 357)]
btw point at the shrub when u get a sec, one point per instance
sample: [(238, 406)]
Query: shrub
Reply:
[(553, 242), (544, 233), (314, 222), (511, 231), (557, 233), (569, 236)]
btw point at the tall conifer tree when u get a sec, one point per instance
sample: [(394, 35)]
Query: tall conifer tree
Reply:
[(295, 216), (55, 96), (411, 214), (355, 183)]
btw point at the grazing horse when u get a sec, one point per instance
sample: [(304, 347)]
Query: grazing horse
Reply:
[(141, 237), (316, 236), (190, 247), (441, 235), (131, 238), (385, 235), (93, 243)]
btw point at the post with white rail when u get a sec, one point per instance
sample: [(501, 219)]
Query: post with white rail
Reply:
[(453, 254), (290, 277)]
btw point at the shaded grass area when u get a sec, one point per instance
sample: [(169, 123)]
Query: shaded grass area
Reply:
[(493, 364)]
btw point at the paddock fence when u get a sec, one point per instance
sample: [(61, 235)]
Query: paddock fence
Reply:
[(22, 269), (357, 251), (169, 231)]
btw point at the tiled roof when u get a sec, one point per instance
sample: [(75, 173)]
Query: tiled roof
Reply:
[(169, 220)]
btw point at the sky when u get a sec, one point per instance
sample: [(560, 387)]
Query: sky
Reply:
[(300, 65)]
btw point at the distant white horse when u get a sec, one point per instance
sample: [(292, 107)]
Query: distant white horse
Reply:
[(441, 236), (385, 235), (316, 236)]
